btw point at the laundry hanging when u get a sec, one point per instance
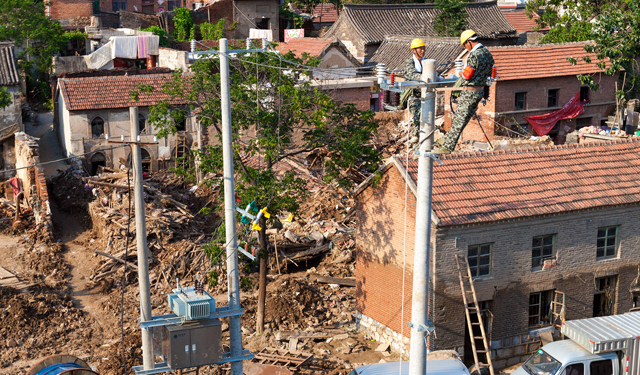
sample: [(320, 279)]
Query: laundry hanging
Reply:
[(125, 47), (99, 58), (260, 34), (543, 124)]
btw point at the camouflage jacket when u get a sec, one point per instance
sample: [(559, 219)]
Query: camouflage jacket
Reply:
[(411, 74), (482, 62)]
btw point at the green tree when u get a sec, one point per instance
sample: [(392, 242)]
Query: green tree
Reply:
[(613, 26), (36, 36), (451, 20), (5, 98), (272, 104), (210, 31), (183, 25), (164, 36)]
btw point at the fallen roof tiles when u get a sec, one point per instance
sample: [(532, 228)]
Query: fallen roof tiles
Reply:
[(494, 186)]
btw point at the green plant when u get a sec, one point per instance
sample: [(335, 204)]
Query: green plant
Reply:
[(245, 284), (183, 24), (5, 97), (164, 36), (451, 20), (298, 21), (210, 31)]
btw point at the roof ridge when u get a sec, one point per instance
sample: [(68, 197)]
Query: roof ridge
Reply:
[(351, 6), (64, 79), (468, 154), (529, 46)]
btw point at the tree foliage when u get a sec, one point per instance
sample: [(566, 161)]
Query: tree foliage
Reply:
[(5, 97), (451, 21), (270, 108), (184, 28), (613, 26), (210, 31), (36, 36), (157, 30)]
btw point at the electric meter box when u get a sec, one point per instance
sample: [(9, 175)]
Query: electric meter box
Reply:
[(192, 344)]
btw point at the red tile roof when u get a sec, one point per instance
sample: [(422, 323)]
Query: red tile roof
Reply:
[(321, 12), (312, 46), (112, 92), (501, 185), (521, 21), (544, 60)]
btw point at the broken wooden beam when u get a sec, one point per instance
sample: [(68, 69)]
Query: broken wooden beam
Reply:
[(344, 281), (116, 259)]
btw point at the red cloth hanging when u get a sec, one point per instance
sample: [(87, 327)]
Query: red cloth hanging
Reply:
[(543, 124)]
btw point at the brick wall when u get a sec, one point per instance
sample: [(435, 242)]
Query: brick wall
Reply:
[(379, 262), (359, 96), (33, 179), (501, 105), (70, 9)]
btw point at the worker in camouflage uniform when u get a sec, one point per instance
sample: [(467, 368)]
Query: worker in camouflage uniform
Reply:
[(474, 78), (413, 72)]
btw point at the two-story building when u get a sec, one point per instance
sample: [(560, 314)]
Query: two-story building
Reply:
[(90, 108), (534, 80), (531, 223)]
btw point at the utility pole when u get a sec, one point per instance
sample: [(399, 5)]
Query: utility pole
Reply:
[(420, 324), (148, 359), (230, 210)]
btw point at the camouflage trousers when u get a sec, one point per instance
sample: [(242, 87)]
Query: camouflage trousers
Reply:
[(467, 106), (414, 108)]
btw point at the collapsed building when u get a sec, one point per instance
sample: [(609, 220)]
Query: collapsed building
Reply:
[(545, 231), (90, 107), (10, 116)]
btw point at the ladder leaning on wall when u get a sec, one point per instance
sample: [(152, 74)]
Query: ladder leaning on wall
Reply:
[(464, 272)]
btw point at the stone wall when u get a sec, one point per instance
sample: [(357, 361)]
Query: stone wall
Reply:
[(32, 177)]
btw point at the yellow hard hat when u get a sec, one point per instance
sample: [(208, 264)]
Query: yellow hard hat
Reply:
[(416, 43), (466, 35)]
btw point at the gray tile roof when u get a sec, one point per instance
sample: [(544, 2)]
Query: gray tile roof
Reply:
[(372, 22), (394, 51), (8, 71)]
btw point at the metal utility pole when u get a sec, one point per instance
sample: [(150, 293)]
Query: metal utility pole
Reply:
[(420, 324), (148, 359), (230, 210)]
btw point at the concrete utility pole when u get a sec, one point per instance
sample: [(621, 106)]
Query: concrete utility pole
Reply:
[(420, 306), (148, 359), (230, 210)]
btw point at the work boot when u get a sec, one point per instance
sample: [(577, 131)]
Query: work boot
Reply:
[(440, 151), (413, 140), (440, 142)]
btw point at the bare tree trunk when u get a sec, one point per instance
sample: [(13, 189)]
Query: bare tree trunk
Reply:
[(262, 290)]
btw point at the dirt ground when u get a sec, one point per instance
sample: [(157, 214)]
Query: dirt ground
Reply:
[(66, 312)]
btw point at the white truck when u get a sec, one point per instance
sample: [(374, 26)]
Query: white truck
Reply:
[(608, 345), (434, 367)]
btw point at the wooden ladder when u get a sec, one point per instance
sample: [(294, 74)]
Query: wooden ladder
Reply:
[(464, 272), (558, 311), (181, 146)]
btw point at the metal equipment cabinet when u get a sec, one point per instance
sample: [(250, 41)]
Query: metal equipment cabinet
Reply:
[(192, 344)]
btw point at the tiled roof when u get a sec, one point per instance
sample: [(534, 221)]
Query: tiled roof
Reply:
[(373, 22), (112, 92), (502, 185), (521, 21), (541, 60), (394, 51), (321, 13), (8, 72), (313, 46)]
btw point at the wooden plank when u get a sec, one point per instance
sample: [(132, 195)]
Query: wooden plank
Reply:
[(345, 281), (116, 259), (311, 252)]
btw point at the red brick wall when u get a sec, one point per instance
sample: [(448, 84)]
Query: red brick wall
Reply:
[(501, 104), (70, 9), (359, 96)]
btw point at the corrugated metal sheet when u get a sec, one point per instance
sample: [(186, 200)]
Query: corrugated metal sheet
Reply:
[(604, 334)]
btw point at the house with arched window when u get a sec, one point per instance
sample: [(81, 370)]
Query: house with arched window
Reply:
[(88, 111)]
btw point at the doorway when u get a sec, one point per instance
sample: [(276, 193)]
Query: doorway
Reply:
[(98, 159)]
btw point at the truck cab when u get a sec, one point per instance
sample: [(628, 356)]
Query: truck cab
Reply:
[(568, 358), (434, 367)]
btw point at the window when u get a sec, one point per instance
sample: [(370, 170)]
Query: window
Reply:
[(543, 247), (584, 94), (607, 242), (142, 124), (582, 122), (262, 23), (171, 5), (119, 5), (552, 98), (604, 367), (479, 258), (604, 299), (539, 308), (574, 369), (521, 100), (97, 127)]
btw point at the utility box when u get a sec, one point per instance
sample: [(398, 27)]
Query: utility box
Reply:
[(192, 344)]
